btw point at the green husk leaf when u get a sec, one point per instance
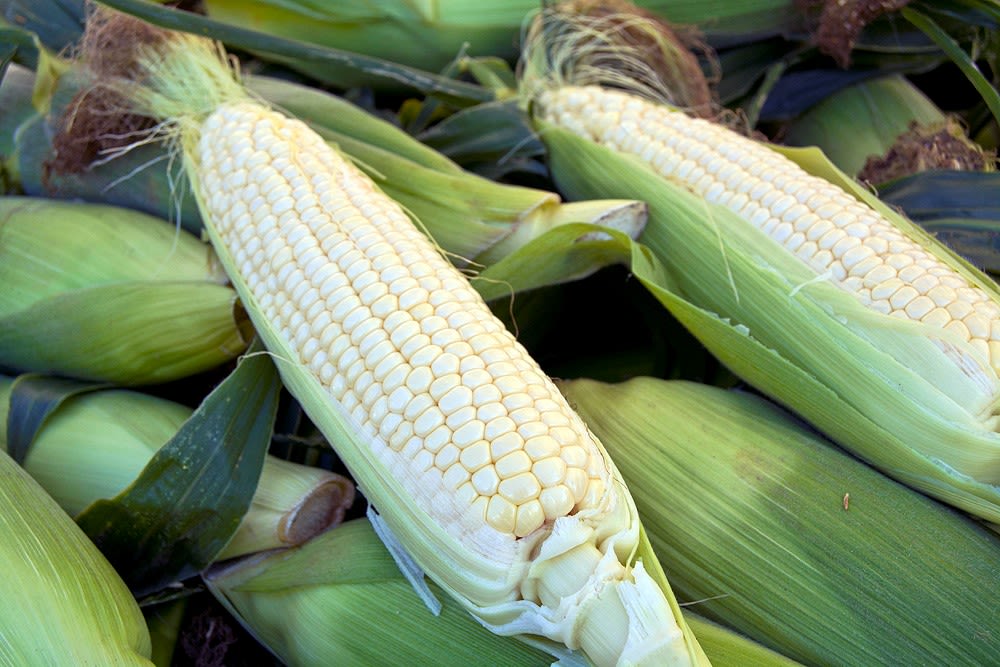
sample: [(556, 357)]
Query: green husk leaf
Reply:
[(307, 605), (50, 247), (136, 332), (767, 528), (336, 115), (806, 342), (32, 399), (568, 252), (188, 502), (63, 602), (727, 648), (324, 64)]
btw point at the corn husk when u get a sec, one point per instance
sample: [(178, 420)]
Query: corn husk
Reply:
[(103, 293), (765, 527), (328, 602), (871, 114), (429, 36), (96, 443), (63, 604)]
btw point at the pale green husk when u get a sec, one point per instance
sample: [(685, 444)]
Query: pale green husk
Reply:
[(340, 599), (870, 115), (771, 530), (63, 604), (97, 443), (104, 293)]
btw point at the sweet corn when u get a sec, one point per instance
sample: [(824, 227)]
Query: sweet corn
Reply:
[(836, 235), (475, 461), (799, 280)]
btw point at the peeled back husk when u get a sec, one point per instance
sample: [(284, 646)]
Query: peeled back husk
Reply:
[(63, 603), (771, 530), (105, 293), (95, 444)]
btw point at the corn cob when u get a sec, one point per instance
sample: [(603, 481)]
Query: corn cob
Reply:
[(771, 530), (63, 602), (808, 288), (471, 455), (98, 442)]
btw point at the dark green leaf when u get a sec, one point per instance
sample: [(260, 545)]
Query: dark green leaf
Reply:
[(958, 55), (946, 194), (320, 62), (980, 13), (16, 45), (58, 23), (961, 208), (188, 501), (32, 399), (976, 240), (491, 139)]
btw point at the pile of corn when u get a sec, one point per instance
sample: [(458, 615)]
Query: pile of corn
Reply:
[(498, 335)]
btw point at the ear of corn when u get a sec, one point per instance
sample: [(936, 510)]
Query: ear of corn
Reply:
[(814, 321), (771, 530), (468, 451), (63, 602), (104, 293), (97, 443)]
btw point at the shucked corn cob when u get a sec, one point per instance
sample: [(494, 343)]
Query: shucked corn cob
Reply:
[(809, 289), (469, 452)]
